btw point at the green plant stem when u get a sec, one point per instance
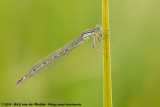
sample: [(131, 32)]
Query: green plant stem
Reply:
[(107, 92)]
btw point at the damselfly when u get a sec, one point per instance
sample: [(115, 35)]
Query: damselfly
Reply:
[(51, 59)]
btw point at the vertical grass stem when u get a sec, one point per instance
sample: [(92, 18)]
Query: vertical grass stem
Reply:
[(107, 92)]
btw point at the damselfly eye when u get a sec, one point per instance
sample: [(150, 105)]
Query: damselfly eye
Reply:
[(98, 28)]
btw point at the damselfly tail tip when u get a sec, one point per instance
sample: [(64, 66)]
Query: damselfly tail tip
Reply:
[(18, 85), (20, 82)]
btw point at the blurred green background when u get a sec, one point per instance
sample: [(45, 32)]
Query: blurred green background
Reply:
[(32, 29)]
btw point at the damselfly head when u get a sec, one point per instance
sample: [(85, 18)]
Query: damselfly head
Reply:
[(98, 28)]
